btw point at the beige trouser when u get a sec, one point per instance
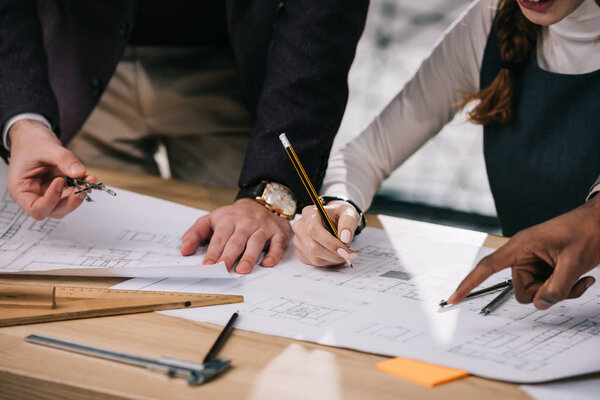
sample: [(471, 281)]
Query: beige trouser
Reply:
[(187, 99)]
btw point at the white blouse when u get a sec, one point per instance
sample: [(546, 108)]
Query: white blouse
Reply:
[(427, 102)]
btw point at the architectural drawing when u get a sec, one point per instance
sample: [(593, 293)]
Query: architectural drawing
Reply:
[(115, 236), (531, 349), (307, 313), (388, 304)]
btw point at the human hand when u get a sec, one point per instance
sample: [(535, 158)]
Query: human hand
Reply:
[(244, 229), (315, 245), (38, 163), (547, 260)]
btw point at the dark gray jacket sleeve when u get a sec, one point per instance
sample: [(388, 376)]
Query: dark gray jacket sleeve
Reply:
[(305, 89), (24, 79)]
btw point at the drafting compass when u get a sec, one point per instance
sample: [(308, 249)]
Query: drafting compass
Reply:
[(86, 187)]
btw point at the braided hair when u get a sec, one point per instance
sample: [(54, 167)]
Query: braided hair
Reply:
[(517, 38)]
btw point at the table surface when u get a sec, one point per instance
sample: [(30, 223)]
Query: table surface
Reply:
[(264, 367)]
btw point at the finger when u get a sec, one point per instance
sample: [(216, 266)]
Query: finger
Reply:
[(234, 244), (91, 179), (254, 246), (276, 248), (581, 286), (502, 258), (40, 207), (559, 285), (317, 232), (322, 255), (309, 259), (66, 162), (347, 223), (193, 237), (67, 205), (527, 279)]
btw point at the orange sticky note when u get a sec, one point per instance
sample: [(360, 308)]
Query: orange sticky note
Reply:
[(420, 372)]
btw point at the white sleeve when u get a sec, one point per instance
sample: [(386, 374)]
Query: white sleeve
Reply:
[(594, 190), (425, 104), (15, 119)]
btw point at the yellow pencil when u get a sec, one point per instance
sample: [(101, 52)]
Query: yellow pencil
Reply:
[(310, 188)]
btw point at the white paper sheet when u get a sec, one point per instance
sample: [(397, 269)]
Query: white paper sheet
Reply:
[(579, 389), (388, 304), (129, 235)]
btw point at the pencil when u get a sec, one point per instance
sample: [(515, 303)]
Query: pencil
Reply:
[(310, 188), (221, 339)]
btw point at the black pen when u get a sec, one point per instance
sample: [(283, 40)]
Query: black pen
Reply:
[(221, 339), (498, 300)]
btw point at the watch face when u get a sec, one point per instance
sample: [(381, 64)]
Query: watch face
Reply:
[(280, 197)]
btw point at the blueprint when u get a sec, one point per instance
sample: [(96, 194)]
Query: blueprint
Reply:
[(388, 304), (128, 235)]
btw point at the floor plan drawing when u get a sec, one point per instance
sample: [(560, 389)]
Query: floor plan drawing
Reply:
[(389, 304), (390, 332), (301, 311), (532, 349), (125, 235)]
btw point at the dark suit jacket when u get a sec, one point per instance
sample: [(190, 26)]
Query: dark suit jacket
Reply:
[(293, 57)]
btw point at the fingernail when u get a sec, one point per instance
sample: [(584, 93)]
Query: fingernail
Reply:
[(207, 262), (81, 196), (267, 261), (590, 283), (76, 169), (243, 267), (343, 253), (345, 236), (542, 304), (352, 256), (60, 186)]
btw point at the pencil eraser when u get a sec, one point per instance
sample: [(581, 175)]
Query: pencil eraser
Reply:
[(284, 140)]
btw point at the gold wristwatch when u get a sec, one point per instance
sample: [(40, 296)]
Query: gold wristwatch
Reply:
[(274, 196)]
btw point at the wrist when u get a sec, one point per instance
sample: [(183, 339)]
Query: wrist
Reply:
[(361, 215), (27, 125), (275, 197)]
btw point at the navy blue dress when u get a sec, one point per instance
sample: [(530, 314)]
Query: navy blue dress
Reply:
[(543, 163)]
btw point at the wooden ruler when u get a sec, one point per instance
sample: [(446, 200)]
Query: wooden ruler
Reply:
[(87, 302)]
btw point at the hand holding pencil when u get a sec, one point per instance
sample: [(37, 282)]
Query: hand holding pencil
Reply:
[(323, 232)]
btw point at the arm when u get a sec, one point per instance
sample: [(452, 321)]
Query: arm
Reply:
[(24, 79), (37, 157), (303, 94), (417, 113), (305, 90), (547, 260)]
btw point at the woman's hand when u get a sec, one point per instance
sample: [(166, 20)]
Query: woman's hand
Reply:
[(315, 245)]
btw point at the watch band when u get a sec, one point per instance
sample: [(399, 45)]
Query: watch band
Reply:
[(251, 192), (363, 219)]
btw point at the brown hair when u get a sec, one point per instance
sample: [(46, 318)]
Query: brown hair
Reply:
[(517, 37)]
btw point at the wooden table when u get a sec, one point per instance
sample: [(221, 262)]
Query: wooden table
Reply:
[(265, 367)]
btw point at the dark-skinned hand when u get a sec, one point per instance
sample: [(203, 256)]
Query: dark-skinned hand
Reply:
[(547, 260)]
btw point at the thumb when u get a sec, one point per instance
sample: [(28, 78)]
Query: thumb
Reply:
[(67, 163), (347, 223), (563, 283)]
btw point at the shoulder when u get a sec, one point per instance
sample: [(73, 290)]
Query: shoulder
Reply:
[(477, 19)]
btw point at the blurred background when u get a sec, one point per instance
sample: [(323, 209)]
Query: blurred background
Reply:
[(445, 181)]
